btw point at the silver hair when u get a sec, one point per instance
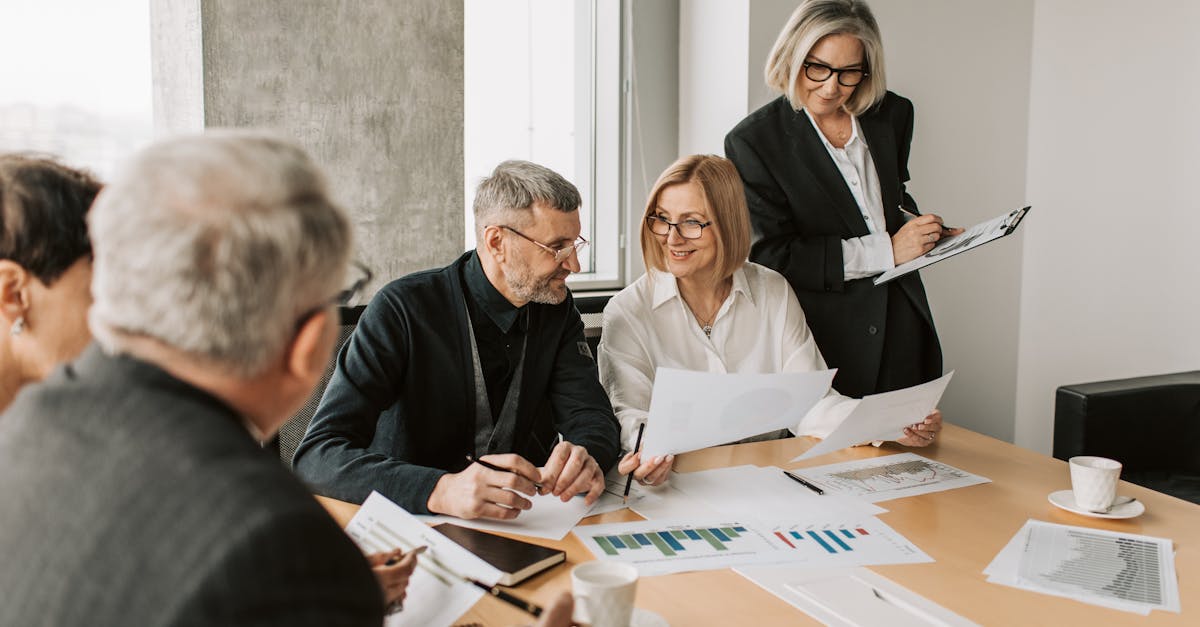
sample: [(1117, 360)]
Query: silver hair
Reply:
[(216, 245), (813, 20), (515, 186)]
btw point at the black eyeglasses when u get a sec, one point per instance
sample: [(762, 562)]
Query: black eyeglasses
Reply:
[(846, 77), (687, 229), (362, 276), (560, 254)]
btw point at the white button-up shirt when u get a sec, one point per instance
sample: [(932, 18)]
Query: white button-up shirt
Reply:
[(760, 328), (870, 254)]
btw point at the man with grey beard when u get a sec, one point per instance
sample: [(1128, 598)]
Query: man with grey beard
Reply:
[(483, 358)]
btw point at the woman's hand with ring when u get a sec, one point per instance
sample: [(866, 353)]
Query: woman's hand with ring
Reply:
[(652, 472)]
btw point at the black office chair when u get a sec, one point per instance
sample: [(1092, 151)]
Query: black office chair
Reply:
[(1150, 424), (290, 434), (591, 309)]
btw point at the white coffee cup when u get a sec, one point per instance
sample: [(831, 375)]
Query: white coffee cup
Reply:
[(604, 593), (1094, 481)]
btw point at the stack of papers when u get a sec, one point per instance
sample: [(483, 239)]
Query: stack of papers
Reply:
[(1123, 571)]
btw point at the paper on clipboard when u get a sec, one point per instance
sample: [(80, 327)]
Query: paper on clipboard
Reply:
[(975, 236)]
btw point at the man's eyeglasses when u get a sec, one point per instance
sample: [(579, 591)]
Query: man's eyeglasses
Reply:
[(560, 254), (846, 77), (361, 276), (687, 229)]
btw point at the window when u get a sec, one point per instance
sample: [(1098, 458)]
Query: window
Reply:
[(542, 83), (76, 80)]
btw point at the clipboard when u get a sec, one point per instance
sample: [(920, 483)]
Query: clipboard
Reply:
[(978, 235)]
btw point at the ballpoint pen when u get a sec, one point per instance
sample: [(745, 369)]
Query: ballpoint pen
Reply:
[(910, 214), (803, 482), (629, 480), (491, 466)]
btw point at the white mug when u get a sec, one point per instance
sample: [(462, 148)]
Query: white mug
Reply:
[(1094, 481), (604, 593)]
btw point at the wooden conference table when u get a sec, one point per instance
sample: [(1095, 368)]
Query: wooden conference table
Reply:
[(962, 530)]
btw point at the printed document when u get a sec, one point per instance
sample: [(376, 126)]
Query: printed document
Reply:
[(695, 410), (883, 416), (891, 477)]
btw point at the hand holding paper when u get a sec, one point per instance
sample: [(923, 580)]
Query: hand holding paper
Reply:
[(883, 416)]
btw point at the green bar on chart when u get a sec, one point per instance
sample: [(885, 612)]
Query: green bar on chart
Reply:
[(605, 545), (660, 544), (629, 541), (729, 532), (711, 539), (679, 535)]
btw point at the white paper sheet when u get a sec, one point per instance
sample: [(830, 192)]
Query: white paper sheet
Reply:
[(613, 498), (851, 597), (695, 410), (659, 547), (1123, 571), (883, 416), (434, 597), (549, 518), (750, 493), (891, 477)]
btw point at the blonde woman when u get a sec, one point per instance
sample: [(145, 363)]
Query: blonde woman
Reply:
[(825, 167), (702, 306)]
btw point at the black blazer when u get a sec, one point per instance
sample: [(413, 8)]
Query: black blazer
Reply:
[(801, 210)]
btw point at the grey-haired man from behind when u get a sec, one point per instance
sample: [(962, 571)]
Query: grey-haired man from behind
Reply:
[(133, 490)]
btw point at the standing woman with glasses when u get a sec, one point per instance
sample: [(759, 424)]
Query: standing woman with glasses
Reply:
[(701, 306), (824, 168)]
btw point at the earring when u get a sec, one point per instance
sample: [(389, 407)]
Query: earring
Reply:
[(18, 326)]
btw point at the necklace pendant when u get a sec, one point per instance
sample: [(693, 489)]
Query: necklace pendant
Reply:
[(707, 330)]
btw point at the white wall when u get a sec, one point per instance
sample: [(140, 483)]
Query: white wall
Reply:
[(1111, 284), (712, 72)]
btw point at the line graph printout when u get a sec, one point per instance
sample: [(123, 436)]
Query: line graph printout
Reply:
[(1123, 571), (891, 477)]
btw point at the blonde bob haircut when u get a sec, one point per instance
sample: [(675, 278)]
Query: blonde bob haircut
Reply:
[(722, 189), (811, 21)]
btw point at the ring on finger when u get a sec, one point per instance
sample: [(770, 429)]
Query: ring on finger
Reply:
[(932, 237)]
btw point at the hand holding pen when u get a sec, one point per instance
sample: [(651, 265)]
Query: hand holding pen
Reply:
[(489, 487), (918, 236), (392, 571), (650, 472)]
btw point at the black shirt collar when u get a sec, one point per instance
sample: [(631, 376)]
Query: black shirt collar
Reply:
[(502, 313)]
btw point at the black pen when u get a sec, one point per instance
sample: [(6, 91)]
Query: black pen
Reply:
[(803, 482), (914, 215), (517, 602), (629, 479), (491, 466)]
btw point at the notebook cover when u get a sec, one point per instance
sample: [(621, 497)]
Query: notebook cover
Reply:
[(516, 559)]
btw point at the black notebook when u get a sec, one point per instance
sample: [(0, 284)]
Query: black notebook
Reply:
[(516, 559)]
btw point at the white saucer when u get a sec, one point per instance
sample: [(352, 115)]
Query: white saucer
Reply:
[(646, 618), (1065, 499)]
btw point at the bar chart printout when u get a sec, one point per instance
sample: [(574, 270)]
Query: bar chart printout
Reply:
[(890, 477), (660, 547), (656, 548)]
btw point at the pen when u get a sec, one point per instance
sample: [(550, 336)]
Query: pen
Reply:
[(395, 559), (803, 482), (491, 466), (910, 214), (629, 480), (521, 604)]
